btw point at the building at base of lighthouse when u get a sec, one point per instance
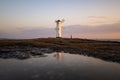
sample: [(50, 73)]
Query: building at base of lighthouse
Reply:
[(59, 28)]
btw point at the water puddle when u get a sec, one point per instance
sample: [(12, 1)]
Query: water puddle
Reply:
[(58, 66)]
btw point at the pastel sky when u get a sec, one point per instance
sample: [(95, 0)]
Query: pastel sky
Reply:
[(83, 18)]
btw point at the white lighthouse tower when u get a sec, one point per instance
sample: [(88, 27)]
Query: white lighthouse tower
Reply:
[(59, 28)]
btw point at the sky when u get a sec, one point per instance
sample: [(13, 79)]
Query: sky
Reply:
[(98, 19)]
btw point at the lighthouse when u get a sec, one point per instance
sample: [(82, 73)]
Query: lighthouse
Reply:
[(59, 28)]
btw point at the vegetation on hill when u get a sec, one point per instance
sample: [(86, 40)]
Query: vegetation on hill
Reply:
[(75, 43)]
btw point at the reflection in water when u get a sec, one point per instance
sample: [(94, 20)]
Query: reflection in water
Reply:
[(71, 67), (59, 55)]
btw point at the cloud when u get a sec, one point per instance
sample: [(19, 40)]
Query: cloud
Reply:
[(100, 31), (99, 17), (20, 28), (106, 28), (80, 31), (101, 20)]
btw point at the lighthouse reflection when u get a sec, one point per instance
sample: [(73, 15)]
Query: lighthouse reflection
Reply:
[(59, 55)]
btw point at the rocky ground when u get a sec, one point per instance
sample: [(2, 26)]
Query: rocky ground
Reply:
[(26, 52), (23, 52), (23, 49)]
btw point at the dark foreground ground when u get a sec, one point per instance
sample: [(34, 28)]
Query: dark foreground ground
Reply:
[(106, 50)]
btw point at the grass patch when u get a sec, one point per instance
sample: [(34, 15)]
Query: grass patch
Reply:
[(85, 44)]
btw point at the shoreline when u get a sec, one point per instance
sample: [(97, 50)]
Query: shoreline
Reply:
[(103, 56), (106, 50)]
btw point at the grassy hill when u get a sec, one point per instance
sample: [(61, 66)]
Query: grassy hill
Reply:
[(102, 49), (85, 44)]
